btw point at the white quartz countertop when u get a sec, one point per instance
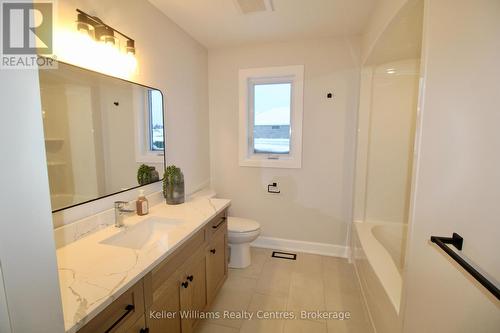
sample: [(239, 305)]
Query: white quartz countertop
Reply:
[(92, 274)]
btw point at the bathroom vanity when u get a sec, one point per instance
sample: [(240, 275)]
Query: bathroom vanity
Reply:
[(138, 278), (105, 136)]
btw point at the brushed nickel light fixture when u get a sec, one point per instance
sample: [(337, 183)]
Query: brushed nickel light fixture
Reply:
[(101, 32)]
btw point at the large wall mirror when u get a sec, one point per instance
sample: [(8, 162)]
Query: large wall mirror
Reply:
[(103, 135)]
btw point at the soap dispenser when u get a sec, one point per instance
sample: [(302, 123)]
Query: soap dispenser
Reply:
[(142, 204)]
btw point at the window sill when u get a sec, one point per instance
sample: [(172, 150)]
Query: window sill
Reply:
[(284, 163), (157, 159)]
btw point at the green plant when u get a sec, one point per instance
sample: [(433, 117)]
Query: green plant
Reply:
[(144, 175), (173, 176)]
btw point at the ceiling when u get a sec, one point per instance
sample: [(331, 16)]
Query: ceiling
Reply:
[(220, 23)]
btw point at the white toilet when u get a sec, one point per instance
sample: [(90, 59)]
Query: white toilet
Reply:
[(241, 232)]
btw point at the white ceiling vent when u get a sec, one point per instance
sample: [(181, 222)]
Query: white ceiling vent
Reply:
[(254, 6)]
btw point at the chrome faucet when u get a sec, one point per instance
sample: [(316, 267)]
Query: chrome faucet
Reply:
[(120, 212)]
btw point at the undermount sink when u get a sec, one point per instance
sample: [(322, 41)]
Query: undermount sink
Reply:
[(148, 232)]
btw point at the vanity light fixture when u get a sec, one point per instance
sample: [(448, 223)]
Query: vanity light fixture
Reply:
[(101, 32), (83, 25), (105, 35), (130, 47)]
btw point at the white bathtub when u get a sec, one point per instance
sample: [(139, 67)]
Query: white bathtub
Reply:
[(378, 254)]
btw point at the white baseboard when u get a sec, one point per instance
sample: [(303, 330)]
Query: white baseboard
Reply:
[(301, 246)]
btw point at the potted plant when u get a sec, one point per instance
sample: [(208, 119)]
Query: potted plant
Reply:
[(173, 185), (144, 175), (147, 175)]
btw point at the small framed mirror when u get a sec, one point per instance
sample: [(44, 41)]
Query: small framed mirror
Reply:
[(103, 135)]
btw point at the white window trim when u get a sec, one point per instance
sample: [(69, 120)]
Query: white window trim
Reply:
[(293, 74), (142, 152)]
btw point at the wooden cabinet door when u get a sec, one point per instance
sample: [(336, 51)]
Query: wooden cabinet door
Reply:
[(164, 315), (193, 291), (138, 327), (216, 263)]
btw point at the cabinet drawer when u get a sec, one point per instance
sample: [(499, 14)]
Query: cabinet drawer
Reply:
[(120, 315), (217, 223)]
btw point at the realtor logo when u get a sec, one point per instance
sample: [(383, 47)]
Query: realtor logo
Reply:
[(27, 27), (27, 33)]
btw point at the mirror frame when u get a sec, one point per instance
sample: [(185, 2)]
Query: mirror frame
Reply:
[(164, 134)]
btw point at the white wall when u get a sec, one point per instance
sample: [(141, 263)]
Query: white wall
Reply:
[(315, 201), (386, 121), (170, 60), (362, 143), (385, 141), (81, 140), (27, 249), (118, 136), (381, 17), (457, 184), (402, 37)]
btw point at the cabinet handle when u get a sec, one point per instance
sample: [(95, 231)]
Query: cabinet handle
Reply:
[(144, 330), (222, 220), (129, 308), (185, 284), (190, 278), (213, 251)]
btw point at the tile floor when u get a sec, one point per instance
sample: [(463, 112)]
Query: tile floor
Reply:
[(310, 283)]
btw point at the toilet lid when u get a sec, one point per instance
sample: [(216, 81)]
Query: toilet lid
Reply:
[(238, 224)]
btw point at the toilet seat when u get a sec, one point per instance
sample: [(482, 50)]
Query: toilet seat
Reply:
[(241, 225)]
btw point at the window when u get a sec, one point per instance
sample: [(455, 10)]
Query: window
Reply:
[(155, 106), (271, 117), (150, 140)]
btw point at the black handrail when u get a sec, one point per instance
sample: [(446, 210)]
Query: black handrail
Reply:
[(457, 241)]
